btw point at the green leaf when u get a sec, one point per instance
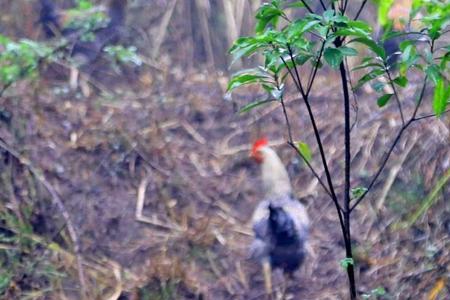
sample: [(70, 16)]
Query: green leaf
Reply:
[(268, 13), (354, 28), (409, 53), (246, 46), (4, 40), (333, 57), (296, 4), (401, 81), (440, 99), (84, 5), (328, 15), (358, 192), (299, 27), (304, 150), (384, 99), (433, 73), (383, 10), (361, 25), (302, 59), (347, 51), (346, 262), (377, 49), (375, 293), (369, 76), (253, 105), (378, 86), (351, 32), (367, 65), (247, 77)]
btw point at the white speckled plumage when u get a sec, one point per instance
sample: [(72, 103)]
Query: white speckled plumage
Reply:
[(262, 244), (278, 195)]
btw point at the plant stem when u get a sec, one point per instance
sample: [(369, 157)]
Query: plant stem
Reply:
[(347, 211)]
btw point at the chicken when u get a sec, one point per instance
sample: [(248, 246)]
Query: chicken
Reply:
[(280, 222)]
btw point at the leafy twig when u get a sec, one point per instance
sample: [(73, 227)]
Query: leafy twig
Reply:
[(391, 149)]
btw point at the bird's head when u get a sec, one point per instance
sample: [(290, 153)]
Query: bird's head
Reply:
[(257, 153)]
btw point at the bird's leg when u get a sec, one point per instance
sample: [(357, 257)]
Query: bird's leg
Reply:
[(267, 276), (74, 75), (284, 286), (288, 278)]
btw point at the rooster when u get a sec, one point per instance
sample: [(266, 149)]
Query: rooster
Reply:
[(280, 221)]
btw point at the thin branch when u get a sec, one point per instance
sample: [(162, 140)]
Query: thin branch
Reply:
[(429, 116), (312, 76), (323, 5), (288, 124), (291, 54), (391, 149), (345, 6), (286, 18), (316, 35), (307, 6), (383, 164), (360, 10), (316, 133), (397, 99), (290, 143), (419, 102), (5, 87), (297, 84)]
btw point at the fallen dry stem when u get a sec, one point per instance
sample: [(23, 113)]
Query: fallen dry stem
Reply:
[(59, 203)]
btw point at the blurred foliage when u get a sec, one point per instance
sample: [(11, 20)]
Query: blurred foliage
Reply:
[(25, 266), (20, 59), (375, 294), (85, 18), (124, 55)]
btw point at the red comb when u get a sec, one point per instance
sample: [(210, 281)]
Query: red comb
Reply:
[(259, 143)]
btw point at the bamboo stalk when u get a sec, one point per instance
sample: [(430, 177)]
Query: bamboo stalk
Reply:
[(162, 30), (203, 12)]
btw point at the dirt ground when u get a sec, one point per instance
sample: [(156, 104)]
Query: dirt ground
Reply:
[(174, 143), (145, 184)]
